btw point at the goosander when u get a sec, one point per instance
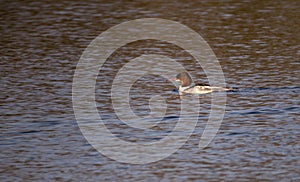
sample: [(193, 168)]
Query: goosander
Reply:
[(186, 85)]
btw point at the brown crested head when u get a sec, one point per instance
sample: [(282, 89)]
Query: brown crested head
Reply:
[(184, 78)]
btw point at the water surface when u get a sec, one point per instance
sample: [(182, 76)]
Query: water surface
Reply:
[(257, 43)]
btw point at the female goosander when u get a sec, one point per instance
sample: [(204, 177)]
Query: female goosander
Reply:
[(186, 85)]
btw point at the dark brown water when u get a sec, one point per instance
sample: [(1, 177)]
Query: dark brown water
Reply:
[(257, 43)]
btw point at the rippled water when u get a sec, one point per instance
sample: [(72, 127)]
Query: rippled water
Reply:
[(257, 44)]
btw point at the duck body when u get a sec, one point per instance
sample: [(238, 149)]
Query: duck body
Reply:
[(195, 89), (186, 85)]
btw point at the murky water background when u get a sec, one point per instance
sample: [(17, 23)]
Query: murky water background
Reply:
[(257, 43)]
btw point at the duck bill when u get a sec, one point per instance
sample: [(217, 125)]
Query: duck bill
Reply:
[(172, 80)]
